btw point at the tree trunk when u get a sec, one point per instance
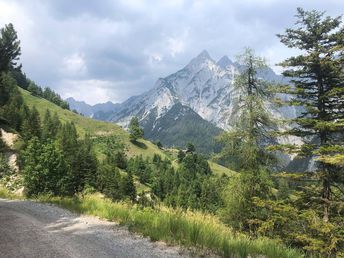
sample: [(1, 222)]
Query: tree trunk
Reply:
[(326, 198)]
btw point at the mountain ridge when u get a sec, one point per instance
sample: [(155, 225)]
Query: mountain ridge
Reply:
[(204, 85)]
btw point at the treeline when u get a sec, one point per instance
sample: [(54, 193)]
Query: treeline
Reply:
[(29, 85), (190, 186), (10, 69)]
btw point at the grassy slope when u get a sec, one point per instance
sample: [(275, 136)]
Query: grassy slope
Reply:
[(220, 170), (94, 127)]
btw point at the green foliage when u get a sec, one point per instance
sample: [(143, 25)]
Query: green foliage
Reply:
[(109, 180), (47, 94), (180, 156), (50, 126), (239, 209), (127, 186), (244, 146), (159, 145), (190, 148), (9, 48), (31, 126), (134, 129), (189, 229), (300, 227), (317, 81), (45, 168), (4, 167), (187, 128), (141, 168), (120, 160), (84, 166)]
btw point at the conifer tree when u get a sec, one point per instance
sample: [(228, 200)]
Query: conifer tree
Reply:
[(31, 126), (9, 48), (245, 142), (108, 181), (84, 166), (317, 78), (134, 129), (128, 187)]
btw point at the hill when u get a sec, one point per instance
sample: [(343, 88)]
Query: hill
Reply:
[(103, 129), (94, 127)]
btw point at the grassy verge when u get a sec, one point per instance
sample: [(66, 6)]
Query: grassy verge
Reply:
[(6, 194), (188, 229)]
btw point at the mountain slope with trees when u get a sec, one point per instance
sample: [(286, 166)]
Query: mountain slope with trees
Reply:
[(252, 212)]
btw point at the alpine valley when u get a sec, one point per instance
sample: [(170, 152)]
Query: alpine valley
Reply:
[(193, 104)]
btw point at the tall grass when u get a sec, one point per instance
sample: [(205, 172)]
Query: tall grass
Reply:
[(6, 194), (189, 229)]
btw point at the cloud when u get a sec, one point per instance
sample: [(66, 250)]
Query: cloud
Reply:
[(74, 65), (114, 49)]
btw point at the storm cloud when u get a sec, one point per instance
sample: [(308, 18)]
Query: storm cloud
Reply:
[(110, 50)]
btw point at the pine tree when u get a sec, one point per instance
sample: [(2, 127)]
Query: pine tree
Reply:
[(128, 187), (31, 126), (85, 165), (108, 181), (317, 79), (190, 148), (46, 126), (9, 48), (120, 160), (180, 156), (134, 129)]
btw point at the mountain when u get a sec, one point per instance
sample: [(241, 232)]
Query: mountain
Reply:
[(91, 111), (204, 89), (180, 125), (204, 85)]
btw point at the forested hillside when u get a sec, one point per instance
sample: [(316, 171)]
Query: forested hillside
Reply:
[(177, 195)]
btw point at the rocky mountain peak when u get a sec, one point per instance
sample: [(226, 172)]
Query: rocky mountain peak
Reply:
[(203, 59), (224, 62)]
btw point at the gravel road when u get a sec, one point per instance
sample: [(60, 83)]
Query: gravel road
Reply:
[(31, 229)]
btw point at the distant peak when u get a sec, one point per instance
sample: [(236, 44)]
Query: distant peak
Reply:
[(224, 62), (200, 60), (204, 55)]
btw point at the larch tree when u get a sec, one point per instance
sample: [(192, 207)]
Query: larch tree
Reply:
[(245, 143)]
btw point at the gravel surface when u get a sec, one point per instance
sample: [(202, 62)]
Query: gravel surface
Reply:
[(31, 229)]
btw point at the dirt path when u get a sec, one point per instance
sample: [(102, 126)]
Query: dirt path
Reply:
[(30, 229)]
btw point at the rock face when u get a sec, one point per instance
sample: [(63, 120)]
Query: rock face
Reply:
[(11, 156), (204, 85)]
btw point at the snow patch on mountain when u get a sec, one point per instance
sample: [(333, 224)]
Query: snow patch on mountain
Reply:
[(206, 86)]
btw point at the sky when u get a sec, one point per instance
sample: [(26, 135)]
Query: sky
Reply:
[(99, 51)]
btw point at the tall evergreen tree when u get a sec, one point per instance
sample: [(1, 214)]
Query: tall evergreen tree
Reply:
[(84, 166), (317, 77), (134, 129), (128, 187), (50, 126), (245, 142), (9, 48), (31, 126)]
